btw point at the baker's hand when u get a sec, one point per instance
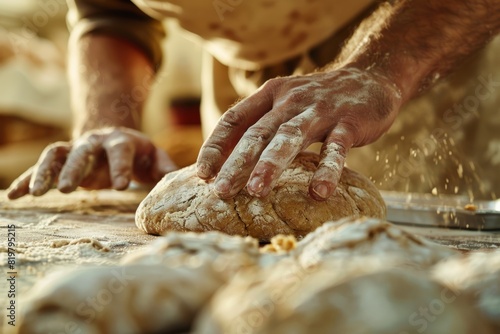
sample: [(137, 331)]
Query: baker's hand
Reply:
[(105, 158), (255, 141)]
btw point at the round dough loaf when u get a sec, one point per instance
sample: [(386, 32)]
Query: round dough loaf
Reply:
[(183, 202)]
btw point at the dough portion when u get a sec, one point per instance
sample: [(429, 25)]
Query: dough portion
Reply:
[(183, 202), (225, 254), (127, 299), (380, 302), (477, 273), (158, 290), (350, 238)]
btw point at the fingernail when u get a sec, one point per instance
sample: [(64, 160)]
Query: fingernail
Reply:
[(36, 191), (222, 186), (64, 186), (255, 186), (13, 193), (321, 190), (204, 170), (120, 182)]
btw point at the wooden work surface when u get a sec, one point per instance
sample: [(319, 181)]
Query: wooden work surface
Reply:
[(57, 231)]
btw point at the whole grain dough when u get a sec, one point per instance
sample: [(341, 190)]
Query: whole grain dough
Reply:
[(183, 202)]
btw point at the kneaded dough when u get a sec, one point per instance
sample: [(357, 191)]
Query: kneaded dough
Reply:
[(376, 302), (477, 273), (158, 290), (226, 254), (350, 238), (183, 202), (126, 299)]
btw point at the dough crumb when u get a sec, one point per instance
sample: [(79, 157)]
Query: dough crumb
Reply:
[(470, 207), (280, 244), (93, 242)]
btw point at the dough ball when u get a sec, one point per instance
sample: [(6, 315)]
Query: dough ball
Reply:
[(389, 301), (183, 202), (226, 254), (118, 300), (159, 289), (368, 237)]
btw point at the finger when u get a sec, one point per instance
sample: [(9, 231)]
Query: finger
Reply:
[(120, 151), (20, 186), (231, 128), (48, 167), (234, 173), (332, 159), (79, 163), (150, 163), (289, 140)]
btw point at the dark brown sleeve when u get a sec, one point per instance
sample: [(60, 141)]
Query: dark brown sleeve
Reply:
[(117, 17)]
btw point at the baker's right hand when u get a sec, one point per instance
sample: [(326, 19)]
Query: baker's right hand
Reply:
[(99, 159)]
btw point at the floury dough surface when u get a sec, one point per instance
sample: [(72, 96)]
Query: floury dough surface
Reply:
[(211, 282), (385, 300), (477, 273), (156, 290), (183, 202), (348, 239)]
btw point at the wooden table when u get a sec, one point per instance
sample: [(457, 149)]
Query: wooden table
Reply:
[(97, 228)]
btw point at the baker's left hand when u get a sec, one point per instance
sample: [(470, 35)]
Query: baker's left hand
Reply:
[(256, 140)]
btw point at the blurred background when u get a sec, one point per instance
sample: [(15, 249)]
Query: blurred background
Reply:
[(443, 142), (34, 95)]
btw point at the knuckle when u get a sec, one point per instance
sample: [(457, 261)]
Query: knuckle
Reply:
[(296, 96), (55, 149), (272, 84), (118, 132), (290, 129), (233, 118), (92, 139), (333, 152), (346, 130), (259, 133), (121, 144), (210, 149), (328, 172)]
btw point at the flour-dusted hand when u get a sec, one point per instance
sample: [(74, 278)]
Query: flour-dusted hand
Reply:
[(104, 158), (391, 57), (258, 138)]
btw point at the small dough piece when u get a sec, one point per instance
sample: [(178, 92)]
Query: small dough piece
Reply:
[(280, 244), (380, 302), (368, 237), (93, 242), (183, 202)]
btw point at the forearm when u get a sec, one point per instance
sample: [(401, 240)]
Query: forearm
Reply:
[(109, 79), (416, 42)]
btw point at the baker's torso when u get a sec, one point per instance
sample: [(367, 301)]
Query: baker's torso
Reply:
[(251, 34)]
